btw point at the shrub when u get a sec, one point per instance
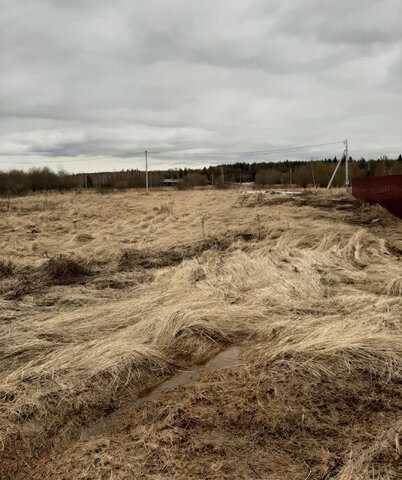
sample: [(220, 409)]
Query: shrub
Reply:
[(192, 180)]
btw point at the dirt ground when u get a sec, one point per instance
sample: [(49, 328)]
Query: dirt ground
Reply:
[(104, 297)]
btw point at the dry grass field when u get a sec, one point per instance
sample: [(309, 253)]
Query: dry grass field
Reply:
[(105, 296)]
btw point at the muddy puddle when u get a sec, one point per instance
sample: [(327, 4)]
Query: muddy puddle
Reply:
[(228, 358)]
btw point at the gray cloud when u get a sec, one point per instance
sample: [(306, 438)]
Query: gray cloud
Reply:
[(99, 80)]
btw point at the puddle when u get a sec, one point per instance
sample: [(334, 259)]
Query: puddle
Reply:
[(228, 358)]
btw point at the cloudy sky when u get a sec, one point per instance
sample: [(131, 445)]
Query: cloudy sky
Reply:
[(90, 84)]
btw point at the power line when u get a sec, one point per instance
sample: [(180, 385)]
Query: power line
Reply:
[(131, 156), (282, 149), (125, 159)]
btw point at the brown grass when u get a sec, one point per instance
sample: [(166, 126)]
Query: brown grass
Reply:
[(123, 290), (6, 269)]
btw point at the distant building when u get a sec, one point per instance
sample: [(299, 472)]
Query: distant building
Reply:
[(169, 182)]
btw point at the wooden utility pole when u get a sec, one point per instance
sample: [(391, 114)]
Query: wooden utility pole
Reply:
[(223, 176)]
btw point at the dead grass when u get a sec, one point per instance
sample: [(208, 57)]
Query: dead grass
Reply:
[(255, 421), (60, 270), (314, 288), (6, 269), (64, 270)]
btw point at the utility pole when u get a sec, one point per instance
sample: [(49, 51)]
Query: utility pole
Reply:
[(346, 154), (223, 176), (146, 171), (312, 171), (290, 174), (336, 169), (346, 164)]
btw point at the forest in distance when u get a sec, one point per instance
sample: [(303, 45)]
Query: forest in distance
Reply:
[(298, 173)]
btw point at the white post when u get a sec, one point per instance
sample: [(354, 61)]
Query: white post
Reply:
[(346, 164), (146, 171), (312, 171), (336, 169)]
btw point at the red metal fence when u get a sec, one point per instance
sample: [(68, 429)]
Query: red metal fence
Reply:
[(387, 191)]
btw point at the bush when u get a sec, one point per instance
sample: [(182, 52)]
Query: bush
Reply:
[(192, 180), (268, 177)]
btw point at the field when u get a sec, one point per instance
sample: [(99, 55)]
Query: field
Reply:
[(103, 297)]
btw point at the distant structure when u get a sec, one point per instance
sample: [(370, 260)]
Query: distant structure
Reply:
[(170, 182)]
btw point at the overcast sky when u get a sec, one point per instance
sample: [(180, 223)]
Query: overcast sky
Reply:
[(87, 84)]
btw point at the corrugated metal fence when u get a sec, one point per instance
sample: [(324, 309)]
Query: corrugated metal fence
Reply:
[(387, 191)]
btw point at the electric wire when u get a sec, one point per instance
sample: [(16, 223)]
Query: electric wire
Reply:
[(282, 149)]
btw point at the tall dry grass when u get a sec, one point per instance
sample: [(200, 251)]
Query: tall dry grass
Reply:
[(312, 285)]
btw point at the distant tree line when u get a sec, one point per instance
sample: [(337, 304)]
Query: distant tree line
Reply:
[(18, 182), (301, 173)]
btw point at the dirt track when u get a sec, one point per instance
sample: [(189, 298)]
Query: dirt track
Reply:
[(105, 297)]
